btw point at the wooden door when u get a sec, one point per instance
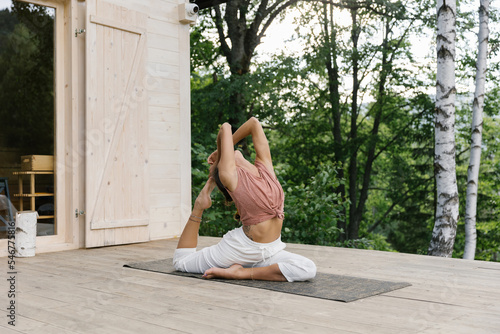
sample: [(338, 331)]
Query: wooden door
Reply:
[(116, 173)]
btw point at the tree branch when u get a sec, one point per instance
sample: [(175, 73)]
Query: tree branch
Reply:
[(226, 51), (397, 135), (403, 199)]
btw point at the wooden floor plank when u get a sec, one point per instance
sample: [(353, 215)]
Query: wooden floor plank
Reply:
[(230, 299), (92, 320), (9, 330), (30, 326), (89, 291)]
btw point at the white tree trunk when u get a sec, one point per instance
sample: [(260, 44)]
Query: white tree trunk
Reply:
[(476, 136), (445, 225)]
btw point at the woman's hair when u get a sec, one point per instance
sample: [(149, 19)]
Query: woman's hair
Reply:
[(222, 188)]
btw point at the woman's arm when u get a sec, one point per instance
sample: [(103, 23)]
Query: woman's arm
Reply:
[(254, 128), (223, 158), (225, 155)]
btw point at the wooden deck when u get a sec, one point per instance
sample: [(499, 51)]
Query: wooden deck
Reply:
[(88, 291)]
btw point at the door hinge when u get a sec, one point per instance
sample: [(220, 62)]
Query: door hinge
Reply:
[(79, 31), (79, 213)]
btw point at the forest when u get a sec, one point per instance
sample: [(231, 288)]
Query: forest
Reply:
[(350, 118)]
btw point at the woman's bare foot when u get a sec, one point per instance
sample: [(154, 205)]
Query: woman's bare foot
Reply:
[(233, 272), (203, 201)]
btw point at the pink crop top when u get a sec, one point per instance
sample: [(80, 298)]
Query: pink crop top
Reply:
[(258, 198)]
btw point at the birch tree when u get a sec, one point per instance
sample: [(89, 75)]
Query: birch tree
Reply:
[(476, 136), (446, 217)]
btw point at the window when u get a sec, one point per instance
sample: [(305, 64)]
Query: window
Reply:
[(27, 100)]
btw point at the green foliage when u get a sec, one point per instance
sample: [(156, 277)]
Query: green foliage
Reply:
[(7, 24), (204, 52), (211, 104), (401, 204), (488, 241), (313, 209), (292, 97)]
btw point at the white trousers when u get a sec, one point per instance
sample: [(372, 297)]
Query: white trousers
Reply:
[(236, 248)]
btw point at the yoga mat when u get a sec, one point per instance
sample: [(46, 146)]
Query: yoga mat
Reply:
[(325, 286)]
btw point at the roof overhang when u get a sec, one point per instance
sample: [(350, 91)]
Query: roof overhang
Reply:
[(208, 3)]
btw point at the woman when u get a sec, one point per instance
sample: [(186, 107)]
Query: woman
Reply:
[(255, 250)]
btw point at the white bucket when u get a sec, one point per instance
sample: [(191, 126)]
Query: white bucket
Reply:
[(26, 233)]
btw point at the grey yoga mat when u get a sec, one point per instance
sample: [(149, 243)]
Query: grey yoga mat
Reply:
[(325, 286)]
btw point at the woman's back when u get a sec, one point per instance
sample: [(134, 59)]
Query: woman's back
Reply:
[(258, 198), (260, 203)]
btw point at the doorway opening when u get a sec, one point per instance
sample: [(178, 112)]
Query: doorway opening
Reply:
[(27, 113)]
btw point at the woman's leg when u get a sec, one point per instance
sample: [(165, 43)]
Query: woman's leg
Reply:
[(294, 267), (189, 236), (283, 266), (270, 262), (234, 248), (237, 271), (187, 243), (227, 252)]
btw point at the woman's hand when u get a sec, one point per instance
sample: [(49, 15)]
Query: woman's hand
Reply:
[(203, 201)]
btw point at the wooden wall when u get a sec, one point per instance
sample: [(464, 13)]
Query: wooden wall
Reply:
[(168, 106)]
